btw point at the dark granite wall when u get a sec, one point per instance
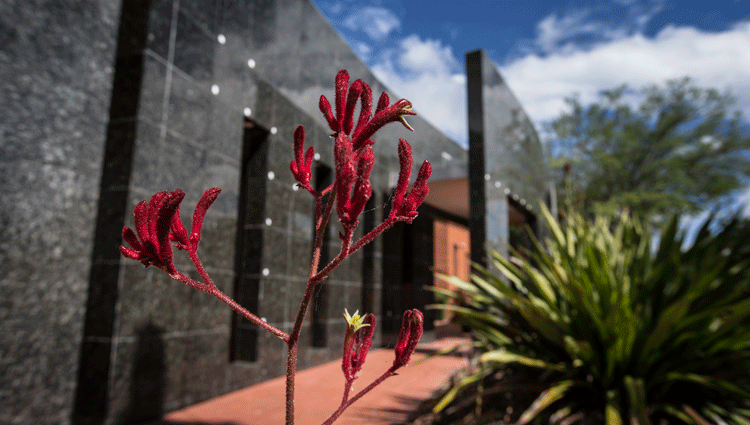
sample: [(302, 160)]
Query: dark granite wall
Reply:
[(56, 69), (506, 162)]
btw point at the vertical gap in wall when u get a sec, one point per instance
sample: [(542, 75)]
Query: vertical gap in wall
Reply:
[(393, 281), (249, 251), (92, 396), (368, 261), (477, 191), (323, 178), (418, 266)]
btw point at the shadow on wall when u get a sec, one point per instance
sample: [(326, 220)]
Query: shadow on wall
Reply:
[(148, 380)]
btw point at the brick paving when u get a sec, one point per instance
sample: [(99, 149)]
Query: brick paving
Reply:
[(319, 392)]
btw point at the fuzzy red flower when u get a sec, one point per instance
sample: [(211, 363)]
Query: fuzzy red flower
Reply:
[(346, 100), (405, 207), (301, 166), (353, 188), (153, 221), (411, 330), (158, 222)]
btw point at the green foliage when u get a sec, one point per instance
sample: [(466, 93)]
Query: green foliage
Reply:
[(634, 334), (679, 149)]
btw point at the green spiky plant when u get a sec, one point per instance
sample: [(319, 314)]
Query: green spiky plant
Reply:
[(616, 329)]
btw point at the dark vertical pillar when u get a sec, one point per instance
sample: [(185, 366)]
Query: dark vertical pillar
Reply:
[(477, 194), (249, 252), (92, 395), (394, 243), (422, 261)]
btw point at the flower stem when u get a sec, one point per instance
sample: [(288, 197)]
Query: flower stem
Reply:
[(208, 287), (346, 403), (321, 220)]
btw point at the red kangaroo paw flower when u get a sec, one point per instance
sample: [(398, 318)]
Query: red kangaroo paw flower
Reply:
[(153, 222), (131, 239), (365, 109), (387, 115), (406, 208), (382, 102), (418, 193), (411, 330), (158, 222), (362, 189), (325, 108), (345, 174), (167, 210), (357, 343), (199, 214), (350, 202), (342, 85), (404, 174), (301, 166), (178, 233), (131, 253), (355, 91)]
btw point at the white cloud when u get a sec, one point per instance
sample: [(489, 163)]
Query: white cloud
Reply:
[(376, 22), (582, 28), (428, 56), (363, 50), (553, 31), (333, 8), (720, 60), (428, 73)]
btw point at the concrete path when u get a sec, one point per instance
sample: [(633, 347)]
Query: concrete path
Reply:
[(319, 391)]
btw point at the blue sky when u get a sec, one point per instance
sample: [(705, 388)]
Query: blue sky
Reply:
[(546, 50)]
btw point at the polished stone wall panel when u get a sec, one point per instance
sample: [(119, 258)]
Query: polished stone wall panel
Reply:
[(56, 68)]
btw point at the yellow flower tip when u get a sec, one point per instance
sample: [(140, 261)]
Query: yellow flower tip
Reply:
[(355, 321), (406, 124)]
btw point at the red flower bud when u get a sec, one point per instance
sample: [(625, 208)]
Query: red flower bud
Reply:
[(365, 110), (301, 166), (411, 330), (351, 101), (350, 202), (345, 173), (178, 233), (404, 174), (362, 190), (342, 85), (382, 102), (325, 108), (418, 193), (201, 208), (406, 208)]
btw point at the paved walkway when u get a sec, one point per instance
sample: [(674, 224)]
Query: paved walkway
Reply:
[(319, 391)]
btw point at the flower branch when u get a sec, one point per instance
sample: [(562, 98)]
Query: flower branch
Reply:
[(157, 223)]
